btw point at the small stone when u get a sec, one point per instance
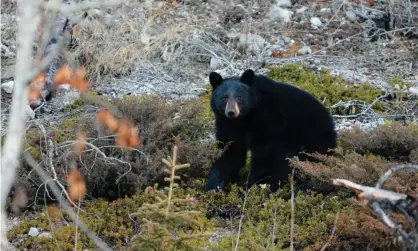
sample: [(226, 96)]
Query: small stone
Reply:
[(413, 90), (315, 22), (284, 3), (305, 50), (45, 235), (325, 10), (8, 86), (33, 231), (277, 13), (351, 16), (301, 10)]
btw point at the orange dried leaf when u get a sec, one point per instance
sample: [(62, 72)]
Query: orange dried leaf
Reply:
[(33, 94), (123, 134), (81, 72), (62, 76), (106, 119), (79, 84), (134, 138), (81, 139), (77, 185)]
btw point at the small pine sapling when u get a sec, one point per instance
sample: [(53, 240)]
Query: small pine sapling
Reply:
[(168, 223)]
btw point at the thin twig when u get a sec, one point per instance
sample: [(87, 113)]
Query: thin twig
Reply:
[(241, 219), (332, 232), (292, 211)]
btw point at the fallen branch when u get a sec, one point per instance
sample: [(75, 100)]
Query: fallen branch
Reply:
[(379, 200)]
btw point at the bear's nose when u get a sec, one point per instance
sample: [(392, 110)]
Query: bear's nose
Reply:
[(231, 114)]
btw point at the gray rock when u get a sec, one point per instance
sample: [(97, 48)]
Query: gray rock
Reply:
[(8, 86), (301, 10), (315, 22), (284, 3), (351, 16), (277, 13), (33, 231), (305, 50), (325, 10), (413, 90)]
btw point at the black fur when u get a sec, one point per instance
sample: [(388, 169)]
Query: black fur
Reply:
[(276, 121)]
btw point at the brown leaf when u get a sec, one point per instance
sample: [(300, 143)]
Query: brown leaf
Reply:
[(81, 139), (77, 185), (106, 119), (275, 54), (62, 76), (36, 85)]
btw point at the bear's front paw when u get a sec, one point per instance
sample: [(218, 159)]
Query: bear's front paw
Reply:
[(213, 186)]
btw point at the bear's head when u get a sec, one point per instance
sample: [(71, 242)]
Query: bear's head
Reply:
[(232, 97)]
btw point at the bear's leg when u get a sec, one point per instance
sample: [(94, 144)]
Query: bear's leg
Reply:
[(259, 163), (228, 164), (280, 171), (269, 162)]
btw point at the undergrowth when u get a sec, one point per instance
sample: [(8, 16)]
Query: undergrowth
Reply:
[(134, 214), (329, 89)]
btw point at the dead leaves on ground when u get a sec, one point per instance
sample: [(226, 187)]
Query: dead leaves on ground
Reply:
[(127, 136), (64, 75)]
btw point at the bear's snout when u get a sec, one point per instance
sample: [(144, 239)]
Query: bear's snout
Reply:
[(232, 109)]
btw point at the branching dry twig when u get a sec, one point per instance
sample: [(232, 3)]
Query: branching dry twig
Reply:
[(56, 191), (378, 200)]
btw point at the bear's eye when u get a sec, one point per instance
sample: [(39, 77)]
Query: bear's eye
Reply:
[(225, 98), (239, 97)]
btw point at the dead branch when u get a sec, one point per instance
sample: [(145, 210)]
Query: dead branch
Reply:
[(380, 200), (57, 193)]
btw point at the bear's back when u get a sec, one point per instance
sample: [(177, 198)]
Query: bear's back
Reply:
[(299, 108)]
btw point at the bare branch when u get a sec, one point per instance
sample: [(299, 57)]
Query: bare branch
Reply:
[(27, 27), (56, 191), (378, 200)]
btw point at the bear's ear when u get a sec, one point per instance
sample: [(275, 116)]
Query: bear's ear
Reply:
[(215, 79), (247, 77)]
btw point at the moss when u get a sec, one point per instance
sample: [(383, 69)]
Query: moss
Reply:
[(267, 221), (204, 98), (327, 88)]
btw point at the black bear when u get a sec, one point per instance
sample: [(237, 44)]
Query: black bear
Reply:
[(274, 120)]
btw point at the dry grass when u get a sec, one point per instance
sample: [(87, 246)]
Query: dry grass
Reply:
[(112, 43)]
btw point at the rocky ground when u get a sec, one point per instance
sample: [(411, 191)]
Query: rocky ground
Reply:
[(172, 52)]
